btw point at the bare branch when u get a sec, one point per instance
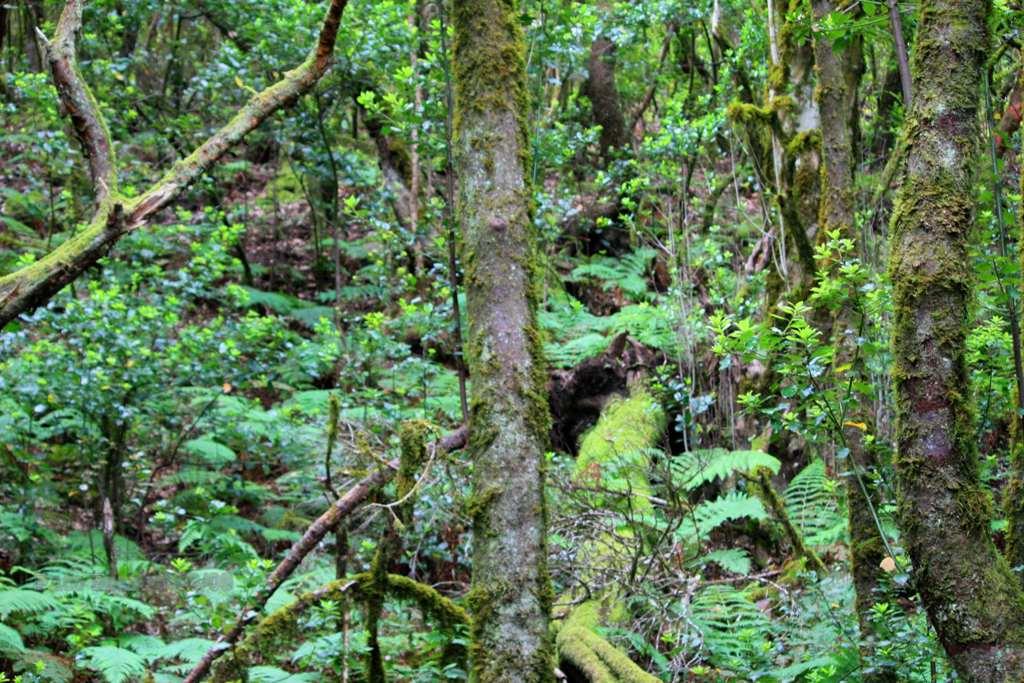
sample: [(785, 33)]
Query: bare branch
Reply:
[(310, 539), (35, 284)]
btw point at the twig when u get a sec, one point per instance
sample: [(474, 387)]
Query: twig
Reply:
[(301, 548)]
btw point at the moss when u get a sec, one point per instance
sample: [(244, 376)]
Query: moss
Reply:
[(490, 64), (973, 600), (598, 659), (620, 442), (802, 142), (412, 436), (748, 114), (275, 631)]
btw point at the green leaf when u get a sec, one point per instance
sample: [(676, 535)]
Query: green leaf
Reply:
[(115, 664), (213, 453), (21, 601), (10, 641), (695, 468)]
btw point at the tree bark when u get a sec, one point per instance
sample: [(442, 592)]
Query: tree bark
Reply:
[(973, 600), (604, 96), (510, 597)]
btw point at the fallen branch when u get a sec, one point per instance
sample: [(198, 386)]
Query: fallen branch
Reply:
[(362, 587), (116, 215), (310, 539), (597, 659)]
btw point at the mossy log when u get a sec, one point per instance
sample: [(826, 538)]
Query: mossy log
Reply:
[(627, 429)]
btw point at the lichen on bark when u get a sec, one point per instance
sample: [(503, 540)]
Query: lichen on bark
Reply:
[(510, 598)]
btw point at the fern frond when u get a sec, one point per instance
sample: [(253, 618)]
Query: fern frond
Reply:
[(734, 560), (23, 601), (711, 514), (692, 469), (271, 674), (188, 650), (813, 506), (627, 272), (734, 630), (115, 664), (10, 641)]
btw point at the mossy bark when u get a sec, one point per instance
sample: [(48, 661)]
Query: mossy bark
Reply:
[(510, 598), (604, 96), (973, 600), (839, 76)]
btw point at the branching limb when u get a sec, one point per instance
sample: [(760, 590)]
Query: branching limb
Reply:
[(310, 539), (79, 104), (35, 284), (271, 630)]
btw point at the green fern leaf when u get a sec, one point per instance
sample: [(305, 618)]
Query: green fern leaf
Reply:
[(22, 601), (271, 674), (734, 630), (695, 468), (115, 664), (711, 514), (813, 506), (734, 560), (211, 452), (10, 641)]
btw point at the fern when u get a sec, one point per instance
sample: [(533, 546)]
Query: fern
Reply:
[(692, 469), (627, 272), (734, 560), (812, 505), (210, 452), (10, 641), (186, 652), (734, 630), (22, 601), (115, 664), (652, 326), (122, 608), (576, 350), (271, 674), (711, 514)]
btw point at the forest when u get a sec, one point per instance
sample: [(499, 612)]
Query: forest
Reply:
[(511, 341)]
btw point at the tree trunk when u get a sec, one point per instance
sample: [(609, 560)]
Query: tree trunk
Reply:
[(511, 595), (839, 76), (604, 96), (973, 599)]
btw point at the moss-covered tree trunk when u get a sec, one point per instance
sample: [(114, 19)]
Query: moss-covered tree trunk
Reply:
[(839, 76), (510, 597), (973, 599)]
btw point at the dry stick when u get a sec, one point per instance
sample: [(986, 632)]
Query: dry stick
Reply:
[(310, 539), (896, 25), (449, 216), (36, 283)]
